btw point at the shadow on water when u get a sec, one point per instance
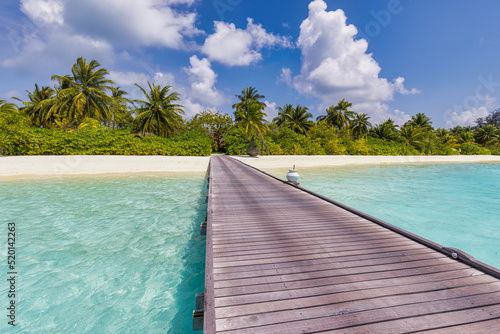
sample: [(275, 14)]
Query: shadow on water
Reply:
[(193, 273)]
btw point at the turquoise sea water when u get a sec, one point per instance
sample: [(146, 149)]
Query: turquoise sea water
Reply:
[(105, 254), (455, 205)]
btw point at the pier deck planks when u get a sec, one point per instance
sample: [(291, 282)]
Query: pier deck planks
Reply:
[(281, 260)]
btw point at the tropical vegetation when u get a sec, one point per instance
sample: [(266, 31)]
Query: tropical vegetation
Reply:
[(158, 114), (85, 112)]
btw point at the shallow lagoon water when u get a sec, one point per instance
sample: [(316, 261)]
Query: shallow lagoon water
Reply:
[(455, 205), (105, 254)]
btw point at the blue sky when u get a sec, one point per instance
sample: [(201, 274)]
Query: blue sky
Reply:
[(390, 58)]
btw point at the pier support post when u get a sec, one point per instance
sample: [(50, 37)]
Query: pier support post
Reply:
[(199, 312), (203, 228)]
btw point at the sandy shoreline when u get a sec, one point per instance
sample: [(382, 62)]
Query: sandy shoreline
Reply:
[(89, 165), (99, 164), (286, 162)]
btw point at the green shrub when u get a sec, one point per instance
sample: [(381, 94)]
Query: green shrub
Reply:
[(379, 146), (495, 150), (474, 149), (446, 150), (310, 146), (288, 140), (358, 147), (19, 138), (236, 142), (274, 148), (334, 146)]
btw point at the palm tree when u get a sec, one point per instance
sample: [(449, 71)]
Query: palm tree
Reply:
[(360, 124), (120, 111), (339, 115), (7, 107), (488, 134), (280, 119), (247, 94), (446, 137), (39, 108), (466, 137), (428, 142), (252, 121), (441, 132), (411, 135), (459, 129), (386, 130), (83, 93), (158, 114), (296, 119), (420, 120)]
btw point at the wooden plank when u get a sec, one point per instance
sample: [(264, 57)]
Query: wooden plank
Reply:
[(307, 297), (313, 243), (310, 239), (312, 279), (314, 247), (287, 233), (432, 321), (318, 241), (420, 262), (475, 326), (336, 262), (340, 309), (356, 249), (407, 318), (340, 256)]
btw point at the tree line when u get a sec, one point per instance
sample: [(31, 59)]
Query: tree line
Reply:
[(87, 98)]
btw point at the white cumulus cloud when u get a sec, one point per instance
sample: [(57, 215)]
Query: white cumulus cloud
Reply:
[(270, 110), (131, 22), (123, 22), (400, 88), (286, 76), (62, 30), (44, 11), (240, 47), (400, 117), (469, 115), (336, 66), (126, 79), (203, 80), (56, 51)]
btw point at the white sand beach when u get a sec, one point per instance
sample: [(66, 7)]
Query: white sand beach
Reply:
[(88, 164), (304, 161), (99, 164)]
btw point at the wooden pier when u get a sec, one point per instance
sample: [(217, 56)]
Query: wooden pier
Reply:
[(281, 259)]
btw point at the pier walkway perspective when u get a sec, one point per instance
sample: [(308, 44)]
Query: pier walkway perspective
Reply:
[(281, 259)]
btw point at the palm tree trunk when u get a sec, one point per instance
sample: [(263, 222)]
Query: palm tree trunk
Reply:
[(263, 143)]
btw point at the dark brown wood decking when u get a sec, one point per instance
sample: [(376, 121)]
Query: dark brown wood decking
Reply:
[(281, 260)]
